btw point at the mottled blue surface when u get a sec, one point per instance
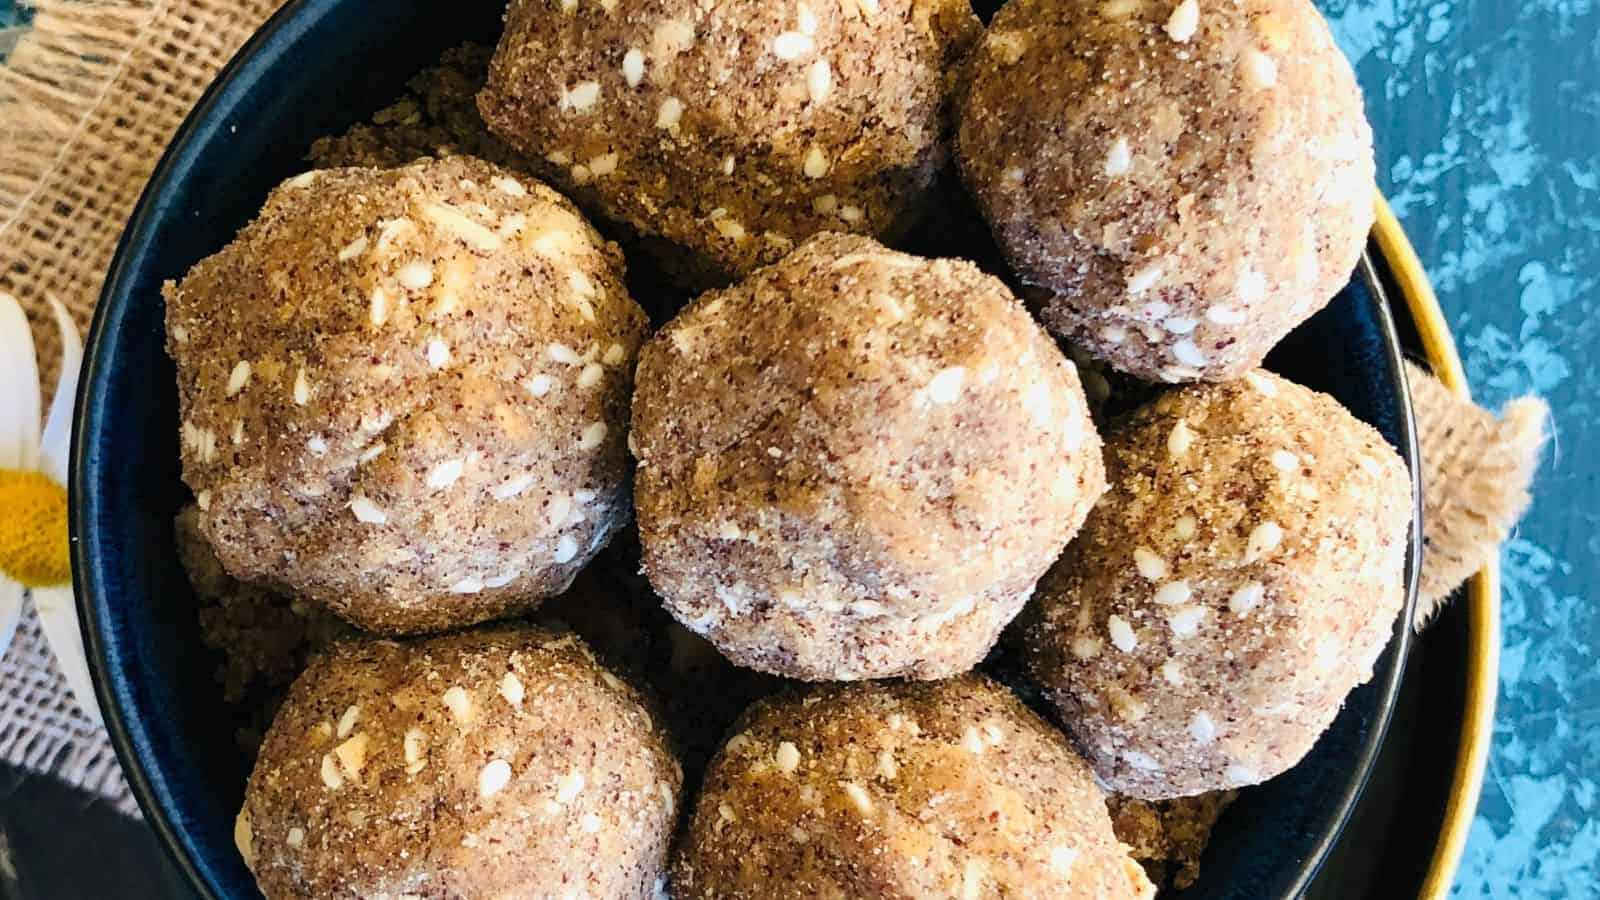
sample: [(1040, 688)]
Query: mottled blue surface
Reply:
[(1487, 115)]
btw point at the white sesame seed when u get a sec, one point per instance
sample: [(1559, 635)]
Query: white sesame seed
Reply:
[(787, 757), (501, 580), (332, 778), (317, 444), (816, 164), (1247, 598), (1179, 325), (558, 509), (302, 388), (563, 354), (806, 19), (604, 164), (203, 500), (1186, 620), (459, 702), (1085, 647), (728, 164), (1172, 593), (592, 374), (1264, 538), (367, 511), (353, 249), (1061, 859), (1113, 334), (792, 45), (372, 452), (669, 113), (591, 823), (1141, 761), (819, 81), (1172, 672), (592, 435), (508, 489), (1202, 728), (1148, 563), (1121, 633), (615, 354), (1186, 352), (467, 585), (566, 549), (494, 777), (1259, 70), (1144, 279), (858, 797), (851, 214), (1184, 527), (539, 385), (582, 97), (1284, 460), (1262, 383), (438, 353), (1180, 439), (729, 228), (945, 387), (633, 66), (1241, 775), (414, 746), (415, 275), (378, 308), (1224, 315), (239, 378), (1119, 159), (295, 837), (509, 186), (347, 722), (1184, 21), (445, 474), (570, 786)]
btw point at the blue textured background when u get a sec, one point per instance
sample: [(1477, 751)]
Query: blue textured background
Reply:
[(1487, 114)]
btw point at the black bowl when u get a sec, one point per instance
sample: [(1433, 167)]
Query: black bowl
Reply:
[(316, 68)]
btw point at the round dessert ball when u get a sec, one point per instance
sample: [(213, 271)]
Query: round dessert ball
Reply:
[(1185, 181), (1237, 581), (857, 463), (910, 790), (490, 763), (723, 134), (404, 393)]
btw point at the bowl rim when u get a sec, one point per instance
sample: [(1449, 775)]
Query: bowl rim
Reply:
[(131, 743)]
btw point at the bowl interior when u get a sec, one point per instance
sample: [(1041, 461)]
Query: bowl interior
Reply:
[(318, 67)]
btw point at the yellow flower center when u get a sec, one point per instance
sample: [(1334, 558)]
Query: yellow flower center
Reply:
[(33, 529)]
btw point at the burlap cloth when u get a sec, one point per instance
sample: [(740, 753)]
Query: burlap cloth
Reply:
[(91, 96)]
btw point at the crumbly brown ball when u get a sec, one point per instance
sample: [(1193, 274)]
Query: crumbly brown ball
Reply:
[(1188, 180), (949, 789), (489, 763), (857, 463), (726, 133), (404, 393), (1237, 581)]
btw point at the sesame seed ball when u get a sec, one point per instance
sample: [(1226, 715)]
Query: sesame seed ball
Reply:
[(950, 789), (1237, 581), (857, 463), (503, 762), (404, 393), (1186, 181), (724, 134)]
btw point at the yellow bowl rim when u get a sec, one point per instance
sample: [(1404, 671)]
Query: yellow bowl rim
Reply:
[(1483, 589)]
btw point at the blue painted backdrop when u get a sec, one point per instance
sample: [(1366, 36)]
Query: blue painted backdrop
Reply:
[(1488, 121), (1487, 115)]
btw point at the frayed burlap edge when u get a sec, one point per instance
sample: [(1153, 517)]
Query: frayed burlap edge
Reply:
[(1476, 475), (89, 98)]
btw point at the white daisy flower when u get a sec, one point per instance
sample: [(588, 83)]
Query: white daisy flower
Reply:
[(33, 473)]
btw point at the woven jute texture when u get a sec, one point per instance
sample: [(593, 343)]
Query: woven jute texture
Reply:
[(91, 97)]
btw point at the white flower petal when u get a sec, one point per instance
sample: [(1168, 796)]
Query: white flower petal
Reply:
[(19, 401), (56, 444), (10, 612), (58, 618)]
